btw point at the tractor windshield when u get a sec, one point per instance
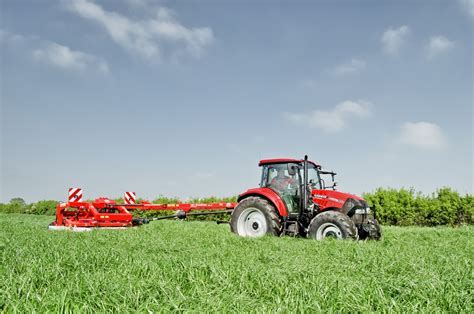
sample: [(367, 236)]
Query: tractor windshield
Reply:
[(276, 176)]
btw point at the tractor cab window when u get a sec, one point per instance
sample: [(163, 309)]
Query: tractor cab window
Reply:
[(278, 178), (313, 177)]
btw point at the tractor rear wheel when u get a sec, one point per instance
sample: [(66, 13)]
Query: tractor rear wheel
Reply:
[(255, 217), (332, 224)]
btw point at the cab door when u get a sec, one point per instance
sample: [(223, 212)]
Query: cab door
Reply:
[(287, 186)]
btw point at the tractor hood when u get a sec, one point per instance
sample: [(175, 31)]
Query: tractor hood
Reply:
[(336, 196)]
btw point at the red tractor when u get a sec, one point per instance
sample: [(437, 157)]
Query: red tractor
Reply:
[(293, 200)]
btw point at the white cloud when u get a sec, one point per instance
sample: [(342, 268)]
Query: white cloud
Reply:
[(394, 38), (423, 135), (438, 45), (146, 37), (333, 120), (66, 58), (53, 53), (10, 38), (350, 67), (468, 5)]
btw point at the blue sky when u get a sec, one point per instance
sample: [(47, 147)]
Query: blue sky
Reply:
[(182, 98)]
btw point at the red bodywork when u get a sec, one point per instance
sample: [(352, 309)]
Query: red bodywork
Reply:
[(268, 194), (104, 212), (326, 199), (331, 199), (95, 214), (284, 161)]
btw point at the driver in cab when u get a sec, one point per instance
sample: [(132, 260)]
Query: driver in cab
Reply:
[(282, 182)]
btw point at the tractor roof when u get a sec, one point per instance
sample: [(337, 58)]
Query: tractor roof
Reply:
[(283, 161)]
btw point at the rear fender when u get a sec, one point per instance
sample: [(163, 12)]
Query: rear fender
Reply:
[(270, 196)]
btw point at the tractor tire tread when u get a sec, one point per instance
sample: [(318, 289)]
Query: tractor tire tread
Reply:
[(267, 208), (345, 223)]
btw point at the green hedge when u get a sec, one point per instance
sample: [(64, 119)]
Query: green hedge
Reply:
[(18, 205), (402, 207), (405, 207)]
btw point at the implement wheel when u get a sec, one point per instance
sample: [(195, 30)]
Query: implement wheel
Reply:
[(255, 217), (332, 224)]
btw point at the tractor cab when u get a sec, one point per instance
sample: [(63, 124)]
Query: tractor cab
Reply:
[(287, 178)]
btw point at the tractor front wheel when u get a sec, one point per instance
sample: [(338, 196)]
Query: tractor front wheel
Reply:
[(332, 224), (255, 217)]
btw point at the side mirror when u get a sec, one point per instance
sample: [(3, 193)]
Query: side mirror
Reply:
[(334, 184), (291, 169)]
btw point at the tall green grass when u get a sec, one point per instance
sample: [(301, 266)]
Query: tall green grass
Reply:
[(201, 266)]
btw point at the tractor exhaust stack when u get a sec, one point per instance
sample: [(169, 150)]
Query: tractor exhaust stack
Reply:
[(305, 185)]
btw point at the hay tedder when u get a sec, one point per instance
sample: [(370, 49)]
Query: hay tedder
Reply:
[(293, 199)]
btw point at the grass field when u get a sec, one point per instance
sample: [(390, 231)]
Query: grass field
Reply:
[(201, 266)]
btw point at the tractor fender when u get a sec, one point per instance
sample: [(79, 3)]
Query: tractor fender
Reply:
[(334, 209), (270, 196)]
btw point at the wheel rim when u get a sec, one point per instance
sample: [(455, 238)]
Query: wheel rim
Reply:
[(328, 230), (252, 223)]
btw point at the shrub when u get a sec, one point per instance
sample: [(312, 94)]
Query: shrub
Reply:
[(16, 205), (405, 207), (43, 208)]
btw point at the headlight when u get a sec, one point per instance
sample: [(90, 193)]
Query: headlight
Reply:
[(363, 210)]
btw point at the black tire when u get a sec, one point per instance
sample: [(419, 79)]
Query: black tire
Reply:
[(371, 230), (255, 217), (332, 224)]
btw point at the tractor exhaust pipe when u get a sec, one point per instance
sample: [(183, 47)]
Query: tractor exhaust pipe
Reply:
[(305, 184)]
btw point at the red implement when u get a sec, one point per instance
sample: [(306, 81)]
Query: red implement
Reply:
[(105, 212)]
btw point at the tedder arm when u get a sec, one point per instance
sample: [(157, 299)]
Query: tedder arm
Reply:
[(104, 212)]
